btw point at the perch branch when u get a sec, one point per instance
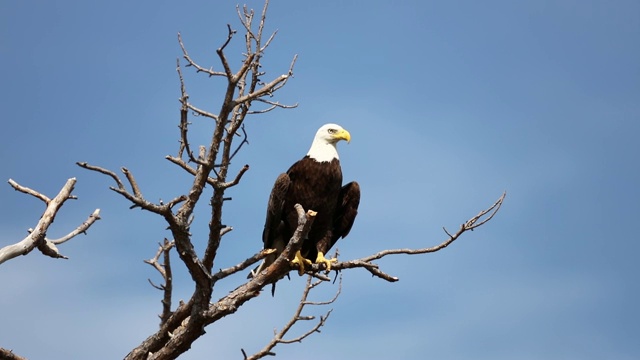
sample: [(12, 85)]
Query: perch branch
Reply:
[(367, 264)]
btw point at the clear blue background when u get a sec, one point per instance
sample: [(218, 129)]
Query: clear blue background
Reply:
[(448, 104)]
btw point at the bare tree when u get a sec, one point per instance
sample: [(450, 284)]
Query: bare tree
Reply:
[(246, 93)]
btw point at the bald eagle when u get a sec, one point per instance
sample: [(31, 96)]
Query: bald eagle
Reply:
[(315, 182)]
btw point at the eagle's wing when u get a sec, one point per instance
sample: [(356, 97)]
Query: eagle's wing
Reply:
[(346, 211), (272, 233), (275, 207)]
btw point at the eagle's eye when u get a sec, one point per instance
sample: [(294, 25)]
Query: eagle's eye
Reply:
[(332, 131)]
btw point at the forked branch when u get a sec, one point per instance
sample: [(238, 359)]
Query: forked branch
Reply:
[(278, 337), (164, 269), (190, 61), (37, 236), (136, 198)]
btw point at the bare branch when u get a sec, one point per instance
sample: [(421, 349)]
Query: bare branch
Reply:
[(226, 230), (263, 17), (176, 201), (37, 236), (266, 44), (184, 122), (165, 271), (244, 141), (28, 191), (136, 198), (223, 58), (492, 210), (273, 105), (371, 267), (132, 181), (241, 266), (236, 180), (297, 316), (201, 112), (366, 262), (211, 181), (328, 302), (199, 68), (80, 229), (103, 171), (49, 249), (269, 88), (246, 18)]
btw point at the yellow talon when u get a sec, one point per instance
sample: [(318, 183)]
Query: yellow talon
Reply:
[(300, 261), (327, 262)]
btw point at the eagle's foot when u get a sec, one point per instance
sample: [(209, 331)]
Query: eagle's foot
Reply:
[(327, 262), (300, 261)]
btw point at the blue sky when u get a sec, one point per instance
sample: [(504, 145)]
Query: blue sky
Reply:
[(448, 104)]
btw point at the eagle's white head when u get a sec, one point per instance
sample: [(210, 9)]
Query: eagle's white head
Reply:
[(323, 147)]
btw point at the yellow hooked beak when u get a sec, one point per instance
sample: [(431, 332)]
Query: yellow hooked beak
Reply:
[(342, 135)]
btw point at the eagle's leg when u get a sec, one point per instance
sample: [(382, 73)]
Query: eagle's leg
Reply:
[(300, 261), (327, 262)]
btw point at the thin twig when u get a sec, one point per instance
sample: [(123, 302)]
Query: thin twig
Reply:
[(278, 337), (103, 171), (198, 68), (220, 51), (165, 271), (136, 198), (201, 112), (223, 273), (29, 191), (184, 114), (80, 229), (273, 105), (244, 141), (132, 181), (211, 181), (236, 180)]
